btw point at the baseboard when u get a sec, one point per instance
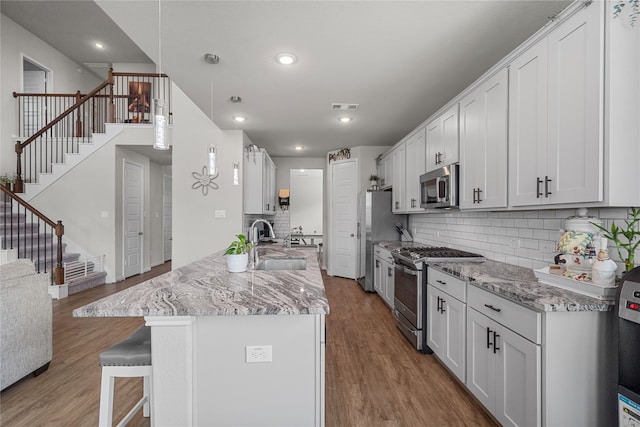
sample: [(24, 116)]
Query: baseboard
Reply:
[(59, 291)]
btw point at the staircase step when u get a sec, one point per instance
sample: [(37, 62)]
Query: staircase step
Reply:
[(91, 280), (50, 263), (7, 228), (25, 238)]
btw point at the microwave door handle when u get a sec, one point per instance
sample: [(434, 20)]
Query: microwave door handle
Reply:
[(438, 198)]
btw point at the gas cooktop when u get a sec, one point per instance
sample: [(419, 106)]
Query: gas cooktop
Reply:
[(419, 254)]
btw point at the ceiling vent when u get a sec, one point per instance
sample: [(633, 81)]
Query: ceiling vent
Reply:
[(344, 107)]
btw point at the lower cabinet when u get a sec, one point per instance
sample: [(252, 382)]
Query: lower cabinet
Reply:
[(383, 275), (503, 371), (446, 330)]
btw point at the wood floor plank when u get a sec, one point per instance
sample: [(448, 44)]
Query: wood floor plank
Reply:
[(373, 375)]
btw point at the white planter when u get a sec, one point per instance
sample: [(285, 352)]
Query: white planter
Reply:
[(237, 263)]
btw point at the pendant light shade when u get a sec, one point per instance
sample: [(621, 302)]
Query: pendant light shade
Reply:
[(212, 160), (160, 141)]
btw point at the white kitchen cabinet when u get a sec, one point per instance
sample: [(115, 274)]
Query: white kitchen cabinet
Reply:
[(398, 189), (385, 171), (503, 368), (446, 330), (259, 183), (555, 115), (415, 166), (383, 274), (443, 139), (483, 144)]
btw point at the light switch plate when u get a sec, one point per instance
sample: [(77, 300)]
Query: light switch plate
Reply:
[(220, 214)]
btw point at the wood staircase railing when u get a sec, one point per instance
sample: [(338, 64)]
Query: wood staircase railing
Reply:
[(21, 230), (123, 97)]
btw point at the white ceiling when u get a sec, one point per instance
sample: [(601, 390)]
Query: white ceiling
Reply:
[(400, 60)]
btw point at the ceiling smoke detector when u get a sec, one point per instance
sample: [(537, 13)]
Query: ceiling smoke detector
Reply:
[(210, 58), (344, 107)]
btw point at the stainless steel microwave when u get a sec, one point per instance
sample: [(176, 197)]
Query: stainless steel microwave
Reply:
[(439, 188)]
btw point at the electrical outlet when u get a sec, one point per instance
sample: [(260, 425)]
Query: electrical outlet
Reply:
[(516, 243), (259, 353)]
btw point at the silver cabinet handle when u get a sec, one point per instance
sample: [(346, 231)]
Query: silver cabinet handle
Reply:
[(547, 193), (140, 233), (538, 182), (353, 235)]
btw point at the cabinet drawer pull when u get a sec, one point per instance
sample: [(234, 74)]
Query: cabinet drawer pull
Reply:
[(495, 342), (489, 306), (441, 282), (547, 193), (479, 199)]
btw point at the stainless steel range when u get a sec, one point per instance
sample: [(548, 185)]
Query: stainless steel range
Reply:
[(410, 287)]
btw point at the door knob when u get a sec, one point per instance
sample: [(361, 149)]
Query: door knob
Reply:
[(140, 233), (352, 234)]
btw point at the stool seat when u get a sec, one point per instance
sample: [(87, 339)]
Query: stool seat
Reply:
[(128, 358), (134, 351)]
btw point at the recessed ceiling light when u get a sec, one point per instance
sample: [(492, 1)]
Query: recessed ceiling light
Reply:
[(98, 45), (298, 148), (239, 118), (345, 119), (286, 58)]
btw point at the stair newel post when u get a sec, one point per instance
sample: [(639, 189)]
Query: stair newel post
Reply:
[(78, 118), (112, 105), (58, 273), (18, 185)]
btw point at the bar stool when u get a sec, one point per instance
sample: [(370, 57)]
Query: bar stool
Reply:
[(128, 358)]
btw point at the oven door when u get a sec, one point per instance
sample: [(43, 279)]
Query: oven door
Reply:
[(408, 302)]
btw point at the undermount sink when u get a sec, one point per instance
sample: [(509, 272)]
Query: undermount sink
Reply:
[(282, 264)]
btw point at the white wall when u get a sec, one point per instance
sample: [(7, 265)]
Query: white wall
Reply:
[(524, 238), (68, 77), (196, 232), (285, 164)]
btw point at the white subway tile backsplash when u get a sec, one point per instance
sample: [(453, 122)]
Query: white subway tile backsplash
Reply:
[(526, 238)]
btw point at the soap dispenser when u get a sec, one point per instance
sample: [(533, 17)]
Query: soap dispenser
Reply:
[(603, 269)]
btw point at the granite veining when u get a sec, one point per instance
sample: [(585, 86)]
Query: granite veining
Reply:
[(206, 288), (520, 285)]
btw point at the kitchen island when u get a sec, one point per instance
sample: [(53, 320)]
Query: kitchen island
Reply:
[(207, 323)]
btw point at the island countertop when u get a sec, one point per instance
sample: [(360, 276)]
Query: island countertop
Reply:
[(206, 288)]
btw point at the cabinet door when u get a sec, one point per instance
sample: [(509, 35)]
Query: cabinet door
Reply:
[(388, 171), (377, 277), (518, 378), (389, 278), (450, 141), (253, 183), (415, 166), (472, 148), (481, 379), (399, 179), (528, 125), (273, 190), (575, 141), (454, 355), (434, 144), (435, 322)]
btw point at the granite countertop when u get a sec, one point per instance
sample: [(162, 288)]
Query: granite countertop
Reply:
[(206, 288), (520, 285), (391, 245)]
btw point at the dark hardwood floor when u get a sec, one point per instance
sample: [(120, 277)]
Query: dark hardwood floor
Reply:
[(373, 376)]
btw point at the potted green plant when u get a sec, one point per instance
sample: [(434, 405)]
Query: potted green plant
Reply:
[(627, 239), (373, 179), (237, 254), (7, 181)]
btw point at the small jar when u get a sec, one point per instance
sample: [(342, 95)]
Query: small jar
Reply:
[(603, 270)]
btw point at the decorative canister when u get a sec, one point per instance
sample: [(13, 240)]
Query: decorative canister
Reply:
[(578, 244), (603, 270)]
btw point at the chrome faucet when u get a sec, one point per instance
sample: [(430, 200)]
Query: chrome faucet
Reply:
[(257, 239)]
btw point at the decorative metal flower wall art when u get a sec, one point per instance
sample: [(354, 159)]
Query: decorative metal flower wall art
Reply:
[(204, 180)]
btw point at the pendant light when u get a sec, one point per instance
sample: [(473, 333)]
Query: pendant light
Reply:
[(160, 141)]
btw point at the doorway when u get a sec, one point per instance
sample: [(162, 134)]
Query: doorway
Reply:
[(133, 225), (35, 79)]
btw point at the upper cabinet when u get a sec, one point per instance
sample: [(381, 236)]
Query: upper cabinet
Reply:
[(259, 183), (398, 190), (555, 115), (385, 171), (443, 139), (414, 167), (483, 145)]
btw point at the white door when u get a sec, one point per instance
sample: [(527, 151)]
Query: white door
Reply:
[(133, 227), (167, 217), (344, 195)]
